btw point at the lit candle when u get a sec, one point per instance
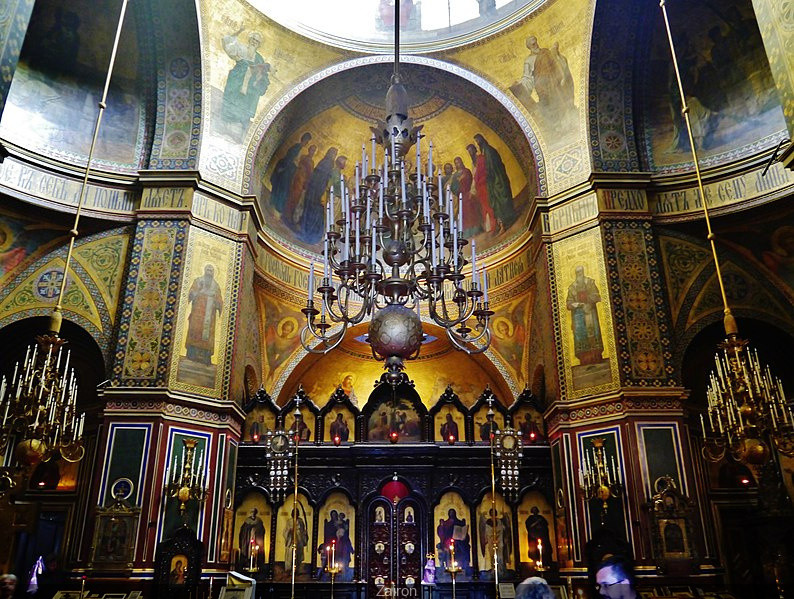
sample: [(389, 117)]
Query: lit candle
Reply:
[(333, 552), (540, 553)]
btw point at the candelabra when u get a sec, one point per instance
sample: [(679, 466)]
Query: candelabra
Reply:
[(395, 242), (747, 409), (596, 479), (39, 407), (331, 566), (184, 482), (453, 569), (489, 416)]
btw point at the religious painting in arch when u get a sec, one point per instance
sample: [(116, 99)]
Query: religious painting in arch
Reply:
[(51, 105), (393, 411), (203, 321), (282, 324), (482, 428), (306, 427), (22, 241), (258, 422), (475, 153), (303, 527), (588, 341), (494, 527), (339, 422), (252, 520), (730, 90), (449, 421), (336, 537), (452, 522), (529, 423), (536, 534)]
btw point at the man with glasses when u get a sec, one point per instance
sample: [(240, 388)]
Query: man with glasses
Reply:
[(615, 578)]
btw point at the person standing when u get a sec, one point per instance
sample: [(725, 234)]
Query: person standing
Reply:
[(293, 210)]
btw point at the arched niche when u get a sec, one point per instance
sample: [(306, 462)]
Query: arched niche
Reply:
[(334, 110), (352, 367), (393, 411)]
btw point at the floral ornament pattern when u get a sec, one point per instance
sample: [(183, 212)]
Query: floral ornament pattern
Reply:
[(146, 320)]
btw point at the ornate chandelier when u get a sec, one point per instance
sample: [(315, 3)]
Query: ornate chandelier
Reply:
[(187, 481), (396, 243), (39, 409), (747, 409)]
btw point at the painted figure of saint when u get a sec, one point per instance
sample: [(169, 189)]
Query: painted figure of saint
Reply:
[(293, 210), (481, 188), (538, 530), (206, 304), (449, 428), (177, 574), (500, 195), (312, 220), (339, 428), (583, 295), (495, 529), (247, 81), (546, 73), (252, 533), (455, 531), (283, 173), (460, 185), (301, 540)]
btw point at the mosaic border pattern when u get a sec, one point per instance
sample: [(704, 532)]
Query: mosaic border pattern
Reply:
[(169, 301)]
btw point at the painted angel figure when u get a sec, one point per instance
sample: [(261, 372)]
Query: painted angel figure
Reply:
[(494, 527)]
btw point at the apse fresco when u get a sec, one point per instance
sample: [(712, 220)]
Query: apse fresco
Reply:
[(472, 153), (52, 104), (730, 91)]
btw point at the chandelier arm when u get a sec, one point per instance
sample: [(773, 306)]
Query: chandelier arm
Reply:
[(329, 343)]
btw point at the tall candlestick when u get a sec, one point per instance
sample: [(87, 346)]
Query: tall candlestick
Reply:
[(374, 162), (310, 290), (430, 160)]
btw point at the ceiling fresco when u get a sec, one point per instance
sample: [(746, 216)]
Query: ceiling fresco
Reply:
[(327, 124), (734, 106), (425, 25)]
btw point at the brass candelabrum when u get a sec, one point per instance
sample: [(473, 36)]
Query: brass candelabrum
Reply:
[(596, 479), (39, 407), (453, 569), (747, 409), (184, 482), (331, 566)]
